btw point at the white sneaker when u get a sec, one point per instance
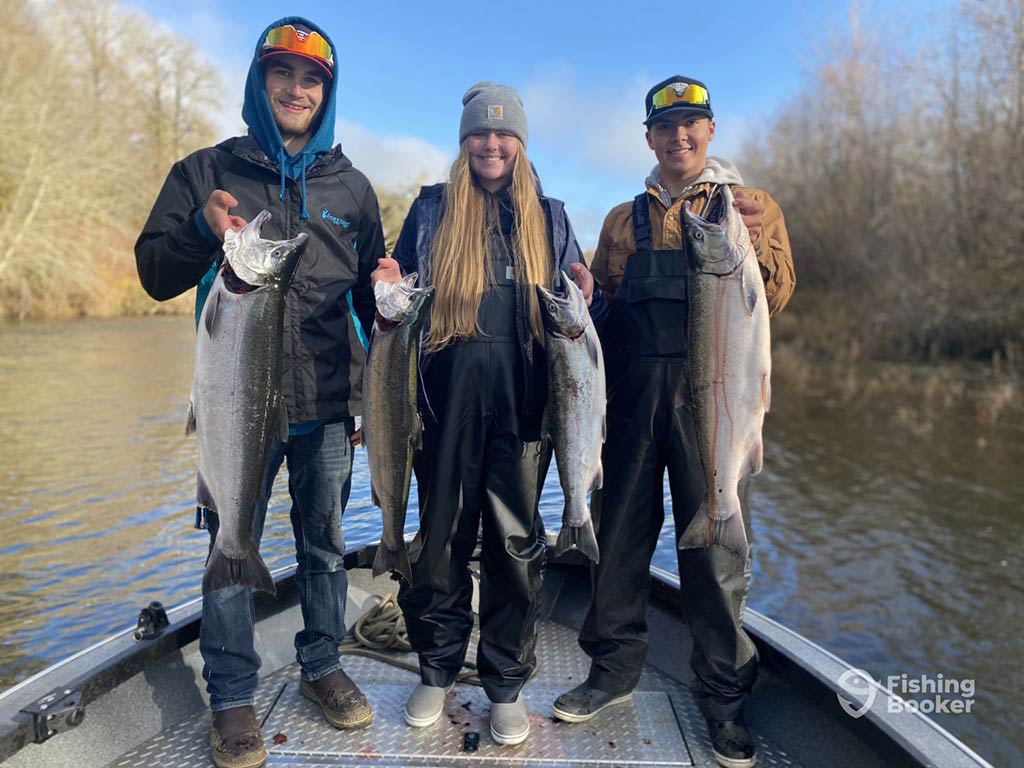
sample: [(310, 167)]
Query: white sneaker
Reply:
[(425, 705), (510, 724)]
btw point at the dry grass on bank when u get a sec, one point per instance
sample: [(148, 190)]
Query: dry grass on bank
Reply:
[(990, 392)]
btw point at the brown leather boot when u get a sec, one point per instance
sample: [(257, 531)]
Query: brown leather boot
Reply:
[(342, 703), (235, 739)]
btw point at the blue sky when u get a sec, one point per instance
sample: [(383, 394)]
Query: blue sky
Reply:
[(582, 69)]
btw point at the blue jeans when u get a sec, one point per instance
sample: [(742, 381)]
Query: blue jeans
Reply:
[(319, 481)]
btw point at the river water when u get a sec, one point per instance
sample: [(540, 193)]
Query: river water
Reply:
[(893, 541)]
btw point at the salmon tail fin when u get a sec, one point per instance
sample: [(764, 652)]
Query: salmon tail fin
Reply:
[(387, 560), (726, 532), (248, 571), (580, 537)]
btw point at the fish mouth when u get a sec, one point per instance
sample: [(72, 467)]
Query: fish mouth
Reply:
[(259, 220), (256, 262)]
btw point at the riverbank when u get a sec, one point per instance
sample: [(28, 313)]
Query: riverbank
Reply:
[(804, 362)]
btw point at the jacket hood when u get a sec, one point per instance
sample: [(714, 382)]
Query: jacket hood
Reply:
[(257, 115), (716, 171)]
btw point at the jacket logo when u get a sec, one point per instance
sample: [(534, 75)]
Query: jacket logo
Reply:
[(328, 216)]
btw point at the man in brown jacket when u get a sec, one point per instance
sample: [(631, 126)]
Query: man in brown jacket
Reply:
[(643, 270)]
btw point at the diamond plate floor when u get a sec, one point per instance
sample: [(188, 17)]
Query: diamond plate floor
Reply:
[(662, 728)]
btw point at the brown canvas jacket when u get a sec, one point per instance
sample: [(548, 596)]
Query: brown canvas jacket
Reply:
[(616, 243)]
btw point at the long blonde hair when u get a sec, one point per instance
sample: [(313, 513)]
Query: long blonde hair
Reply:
[(461, 260)]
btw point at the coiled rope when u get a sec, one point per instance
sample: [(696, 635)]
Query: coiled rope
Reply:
[(380, 634)]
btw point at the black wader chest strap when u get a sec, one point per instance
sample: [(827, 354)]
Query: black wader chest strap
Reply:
[(641, 222)]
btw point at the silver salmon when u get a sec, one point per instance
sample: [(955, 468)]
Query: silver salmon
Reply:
[(237, 409), (730, 370), (392, 430), (574, 419)]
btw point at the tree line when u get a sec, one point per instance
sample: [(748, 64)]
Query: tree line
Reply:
[(899, 165), (900, 169), (96, 102)]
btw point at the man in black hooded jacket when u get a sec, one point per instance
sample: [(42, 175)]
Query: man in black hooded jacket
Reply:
[(289, 165)]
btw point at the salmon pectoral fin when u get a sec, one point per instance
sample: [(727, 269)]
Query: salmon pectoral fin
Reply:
[(766, 392), (190, 420), (210, 314), (726, 532), (578, 537), (282, 422), (749, 291), (593, 347), (417, 434), (248, 571), (755, 461), (393, 560), (204, 497)]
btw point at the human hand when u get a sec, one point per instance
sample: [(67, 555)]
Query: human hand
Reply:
[(356, 438), (216, 213), (387, 271), (752, 212), (584, 279)]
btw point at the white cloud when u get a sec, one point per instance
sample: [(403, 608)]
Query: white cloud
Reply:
[(393, 162), (598, 126)]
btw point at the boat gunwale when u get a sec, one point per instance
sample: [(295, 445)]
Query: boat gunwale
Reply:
[(120, 656)]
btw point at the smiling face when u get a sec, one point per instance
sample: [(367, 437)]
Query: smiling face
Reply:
[(295, 88), (680, 142), (492, 156)]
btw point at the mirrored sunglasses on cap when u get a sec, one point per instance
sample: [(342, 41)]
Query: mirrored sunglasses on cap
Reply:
[(680, 95), (288, 39)]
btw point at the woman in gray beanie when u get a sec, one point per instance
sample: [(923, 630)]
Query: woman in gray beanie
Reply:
[(483, 240)]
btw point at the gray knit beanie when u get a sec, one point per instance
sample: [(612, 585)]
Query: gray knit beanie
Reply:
[(491, 107)]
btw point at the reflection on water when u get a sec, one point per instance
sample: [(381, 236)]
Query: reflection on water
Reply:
[(893, 543)]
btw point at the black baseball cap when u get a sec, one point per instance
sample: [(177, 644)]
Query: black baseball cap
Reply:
[(677, 94)]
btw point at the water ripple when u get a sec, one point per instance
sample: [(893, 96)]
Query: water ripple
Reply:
[(902, 555)]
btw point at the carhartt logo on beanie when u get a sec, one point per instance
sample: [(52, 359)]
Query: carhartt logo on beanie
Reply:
[(488, 106)]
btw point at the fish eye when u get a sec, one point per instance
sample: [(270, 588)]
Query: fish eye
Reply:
[(698, 235)]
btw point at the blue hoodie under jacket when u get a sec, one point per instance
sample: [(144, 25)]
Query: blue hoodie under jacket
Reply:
[(330, 303)]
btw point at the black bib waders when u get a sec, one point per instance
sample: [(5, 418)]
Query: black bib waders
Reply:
[(651, 428), (481, 463)]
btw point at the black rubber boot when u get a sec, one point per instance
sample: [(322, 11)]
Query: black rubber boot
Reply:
[(731, 743), (585, 702)]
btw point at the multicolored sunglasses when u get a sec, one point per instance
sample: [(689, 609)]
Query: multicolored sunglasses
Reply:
[(288, 39)]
